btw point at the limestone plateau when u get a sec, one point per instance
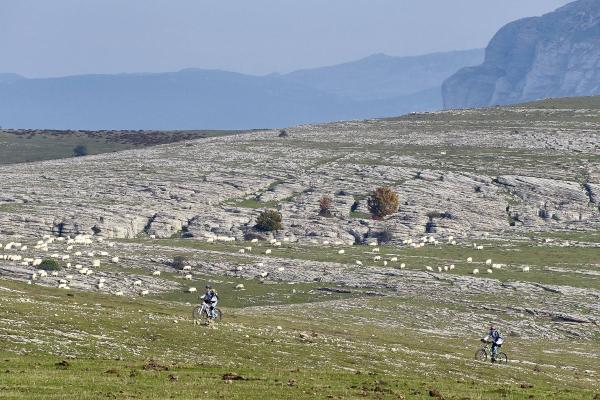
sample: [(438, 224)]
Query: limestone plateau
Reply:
[(502, 171)]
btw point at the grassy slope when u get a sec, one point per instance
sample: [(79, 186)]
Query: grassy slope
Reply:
[(41, 145), (335, 350)]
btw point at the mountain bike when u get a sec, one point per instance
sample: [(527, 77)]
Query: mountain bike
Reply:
[(485, 352), (200, 314)]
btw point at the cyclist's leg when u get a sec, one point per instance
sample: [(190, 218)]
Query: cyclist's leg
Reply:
[(214, 309)]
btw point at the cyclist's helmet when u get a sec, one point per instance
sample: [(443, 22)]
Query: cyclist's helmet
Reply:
[(492, 328), (209, 286)]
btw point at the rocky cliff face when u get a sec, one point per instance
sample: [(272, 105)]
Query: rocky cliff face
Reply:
[(556, 55)]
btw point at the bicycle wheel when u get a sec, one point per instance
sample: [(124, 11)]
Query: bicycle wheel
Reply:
[(502, 358), (219, 314), (199, 315), (481, 355)]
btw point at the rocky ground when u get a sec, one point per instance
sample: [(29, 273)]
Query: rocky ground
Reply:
[(518, 189)]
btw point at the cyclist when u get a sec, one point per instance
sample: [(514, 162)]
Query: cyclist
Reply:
[(495, 337), (211, 299)]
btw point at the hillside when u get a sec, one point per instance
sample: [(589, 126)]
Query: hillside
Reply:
[(555, 55), (499, 222), (208, 99), (27, 145)]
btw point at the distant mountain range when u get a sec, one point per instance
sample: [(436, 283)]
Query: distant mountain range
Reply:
[(555, 55), (376, 86)]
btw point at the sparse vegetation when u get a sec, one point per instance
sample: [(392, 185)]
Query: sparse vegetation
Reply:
[(80, 150), (50, 265), (383, 202), (325, 204), (269, 220), (179, 262)]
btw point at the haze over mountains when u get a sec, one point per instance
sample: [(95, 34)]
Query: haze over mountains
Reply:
[(376, 86), (556, 55)]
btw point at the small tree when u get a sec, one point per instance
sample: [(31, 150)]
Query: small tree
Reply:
[(268, 221), (179, 262), (49, 265), (80, 150), (383, 202), (325, 206)]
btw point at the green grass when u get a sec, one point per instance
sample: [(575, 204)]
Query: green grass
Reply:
[(39, 145), (342, 349), (549, 265)]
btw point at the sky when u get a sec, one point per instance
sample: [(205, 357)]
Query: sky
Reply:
[(44, 38)]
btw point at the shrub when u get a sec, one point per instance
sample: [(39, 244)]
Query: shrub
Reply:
[(179, 262), (283, 133), (50, 265), (80, 150), (269, 220), (382, 202), (385, 236), (325, 206)]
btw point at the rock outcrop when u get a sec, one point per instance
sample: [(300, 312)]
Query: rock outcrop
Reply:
[(555, 55)]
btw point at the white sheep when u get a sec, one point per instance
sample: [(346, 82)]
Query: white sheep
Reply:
[(102, 280), (268, 251), (95, 263), (210, 240), (287, 239), (239, 286), (470, 260), (264, 274), (394, 259), (439, 269), (489, 271), (428, 268), (100, 285), (358, 262), (445, 268), (187, 268), (137, 283), (144, 292), (192, 290), (241, 251), (273, 241), (451, 267), (254, 241), (341, 252), (63, 286), (385, 263), (488, 261), (114, 260), (402, 266), (277, 244), (479, 247), (156, 273), (119, 293), (475, 271), (248, 248), (376, 250), (377, 258), (525, 269), (188, 277)]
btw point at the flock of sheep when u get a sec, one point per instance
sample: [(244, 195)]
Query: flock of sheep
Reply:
[(73, 250)]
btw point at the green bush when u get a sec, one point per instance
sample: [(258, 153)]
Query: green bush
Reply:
[(179, 262), (268, 221), (50, 265), (80, 150)]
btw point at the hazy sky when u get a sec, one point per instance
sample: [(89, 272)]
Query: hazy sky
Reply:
[(61, 37)]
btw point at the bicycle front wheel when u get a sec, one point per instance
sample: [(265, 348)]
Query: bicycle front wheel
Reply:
[(199, 314), (502, 358), (481, 355)]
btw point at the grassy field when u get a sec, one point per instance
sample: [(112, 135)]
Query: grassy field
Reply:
[(18, 146), (552, 265), (89, 346)]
